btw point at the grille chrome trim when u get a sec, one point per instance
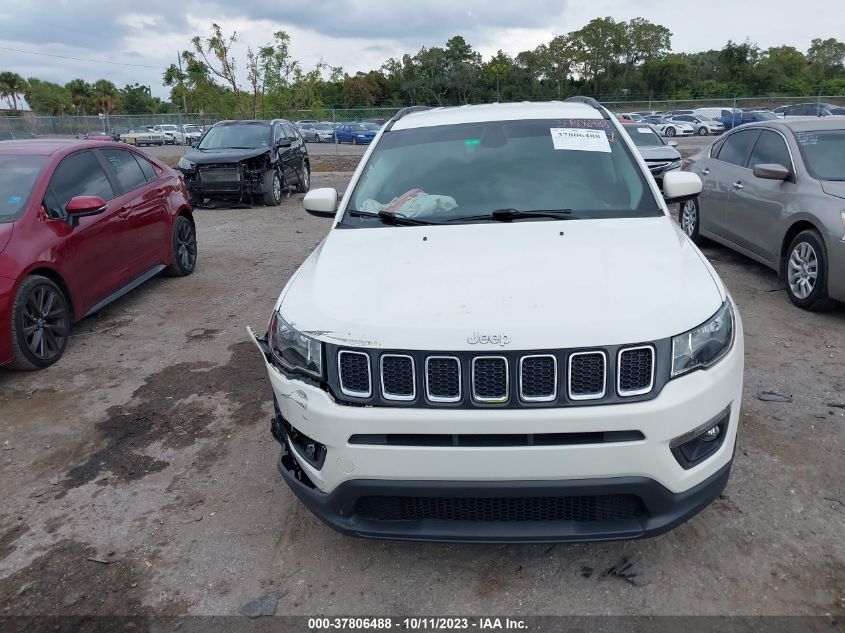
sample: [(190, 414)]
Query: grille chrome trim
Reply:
[(553, 395), (443, 399), (501, 400), (352, 392), (399, 397), (589, 396), (633, 392)]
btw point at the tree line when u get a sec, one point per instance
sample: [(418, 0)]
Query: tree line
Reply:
[(606, 58)]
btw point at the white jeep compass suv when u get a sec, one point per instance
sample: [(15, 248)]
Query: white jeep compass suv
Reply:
[(504, 337)]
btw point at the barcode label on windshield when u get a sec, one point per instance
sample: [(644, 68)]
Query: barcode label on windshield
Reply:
[(579, 139)]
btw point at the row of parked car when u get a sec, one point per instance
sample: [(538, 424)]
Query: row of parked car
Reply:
[(354, 132)]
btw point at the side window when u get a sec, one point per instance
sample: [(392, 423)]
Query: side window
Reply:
[(737, 147), (717, 147), (290, 132), (770, 148), (146, 167), (278, 133), (79, 174), (125, 167)]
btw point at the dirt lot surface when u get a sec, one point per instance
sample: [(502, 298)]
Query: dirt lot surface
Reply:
[(139, 473)]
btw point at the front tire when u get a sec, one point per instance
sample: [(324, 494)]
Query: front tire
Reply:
[(806, 272), (40, 324), (670, 131), (272, 188), (689, 217), (354, 141), (304, 179), (184, 247), (702, 131)]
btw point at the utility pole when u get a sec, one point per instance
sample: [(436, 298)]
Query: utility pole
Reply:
[(182, 83)]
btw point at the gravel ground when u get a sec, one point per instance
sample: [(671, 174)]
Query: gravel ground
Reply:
[(139, 473)]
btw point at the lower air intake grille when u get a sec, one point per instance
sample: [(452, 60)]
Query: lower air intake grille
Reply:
[(586, 375), (583, 508), (354, 374), (490, 379), (636, 371)]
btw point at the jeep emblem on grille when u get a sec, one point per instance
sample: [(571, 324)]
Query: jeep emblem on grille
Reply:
[(495, 339)]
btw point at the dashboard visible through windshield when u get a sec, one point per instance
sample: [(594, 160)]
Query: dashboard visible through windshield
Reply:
[(448, 173)]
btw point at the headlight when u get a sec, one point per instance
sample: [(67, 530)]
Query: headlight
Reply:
[(704, 345), (184, 163), (292, 349)]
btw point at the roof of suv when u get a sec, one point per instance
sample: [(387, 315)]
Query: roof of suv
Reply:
[(497, 112)]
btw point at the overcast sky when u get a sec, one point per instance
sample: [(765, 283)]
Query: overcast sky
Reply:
[(361, 35)]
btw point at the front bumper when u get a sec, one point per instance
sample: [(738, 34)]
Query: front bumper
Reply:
[(348, 508), (251, 182), (644, 468)]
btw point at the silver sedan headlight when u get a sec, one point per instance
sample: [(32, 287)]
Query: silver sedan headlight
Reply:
[(293, 350), (704, 345), (184, 163)]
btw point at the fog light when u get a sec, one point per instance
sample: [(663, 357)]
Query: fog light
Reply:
[(711, 434), (693, 447)]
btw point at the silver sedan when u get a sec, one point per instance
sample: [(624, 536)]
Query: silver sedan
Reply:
[(775, 192)]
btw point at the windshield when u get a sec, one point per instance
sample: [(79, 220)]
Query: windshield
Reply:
[(644, 136), (445, 173), (17, 178), (370, 126), (766, 116), (191, 129), (323, 126), (823, 152), (240, 136)]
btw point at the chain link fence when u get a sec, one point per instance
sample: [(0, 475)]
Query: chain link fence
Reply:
[(69, 126)]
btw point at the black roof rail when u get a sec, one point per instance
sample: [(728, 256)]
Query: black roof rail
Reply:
[(402, 113), (590, 102)]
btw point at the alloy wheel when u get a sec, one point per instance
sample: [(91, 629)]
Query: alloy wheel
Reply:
[(277, 189), (186, 246), (45, 323), (803, 270), (689, 217)]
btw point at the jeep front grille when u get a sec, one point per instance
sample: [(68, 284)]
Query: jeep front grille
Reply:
[(490, 379), (587, 375), (443, 378), (635, 373), (398, 379), (354, 374), (506, 379), (538, 378)]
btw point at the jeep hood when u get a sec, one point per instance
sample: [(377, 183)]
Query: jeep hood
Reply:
[(546, 284), (209, 156)]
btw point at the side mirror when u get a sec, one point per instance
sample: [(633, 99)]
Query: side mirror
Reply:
[(283, 142), (680, 186), (672, 143), (771, 171), (82, 206), (321, 202)]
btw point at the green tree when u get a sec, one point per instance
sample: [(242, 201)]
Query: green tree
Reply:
[(106, 96), (643, 40), (828, 56), (80, 93), (12, 85), (45, 97)]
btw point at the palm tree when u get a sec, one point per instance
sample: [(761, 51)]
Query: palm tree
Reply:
[(80, 93), (11, 85), (106, 96)]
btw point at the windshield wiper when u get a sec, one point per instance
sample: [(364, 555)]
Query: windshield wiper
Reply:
[(508, 215), (391, 218)]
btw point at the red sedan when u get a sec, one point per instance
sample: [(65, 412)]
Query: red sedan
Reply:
[(81, 223)]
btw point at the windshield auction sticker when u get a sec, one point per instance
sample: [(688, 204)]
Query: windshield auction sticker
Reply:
[(579, 139)]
